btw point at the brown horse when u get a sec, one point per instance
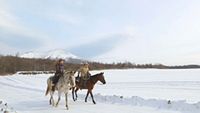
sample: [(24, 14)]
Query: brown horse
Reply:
[(89, 86)]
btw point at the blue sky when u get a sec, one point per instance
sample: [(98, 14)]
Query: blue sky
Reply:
[(140, 31)]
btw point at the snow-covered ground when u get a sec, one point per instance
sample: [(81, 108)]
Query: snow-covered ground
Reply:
[(126, 91), (153, 83)]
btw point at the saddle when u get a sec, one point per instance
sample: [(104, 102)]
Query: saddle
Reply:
[(83, 82), (55, 80)]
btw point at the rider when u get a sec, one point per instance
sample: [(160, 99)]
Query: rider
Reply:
[(59, 71), (84, 71)]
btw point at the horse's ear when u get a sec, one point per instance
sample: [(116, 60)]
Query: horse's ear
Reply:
[(69, 72)]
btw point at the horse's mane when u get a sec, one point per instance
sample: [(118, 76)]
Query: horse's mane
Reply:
[(98, 74)]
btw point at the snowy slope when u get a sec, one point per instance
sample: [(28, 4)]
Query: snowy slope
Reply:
[(53, 54), (126, 91), (31, 54)]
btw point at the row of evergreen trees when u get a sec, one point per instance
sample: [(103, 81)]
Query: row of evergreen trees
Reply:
[(13, 64)]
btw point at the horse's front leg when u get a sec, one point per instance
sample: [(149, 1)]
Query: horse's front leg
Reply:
[(92, 97), (73, 93), (51, 101), (59, 96), (76, 93), (66, 100), (86, 96)]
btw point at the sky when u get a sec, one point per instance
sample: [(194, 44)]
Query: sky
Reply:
[(139, 31)]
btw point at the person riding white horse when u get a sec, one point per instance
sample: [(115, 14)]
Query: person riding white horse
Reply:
[(65, 82), (59, 71)]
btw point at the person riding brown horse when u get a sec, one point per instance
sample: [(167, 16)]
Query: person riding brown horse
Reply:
[(89, 86), (83, 74)]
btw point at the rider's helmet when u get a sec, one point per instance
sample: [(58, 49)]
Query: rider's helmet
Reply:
[(61, 60), (86, 64)]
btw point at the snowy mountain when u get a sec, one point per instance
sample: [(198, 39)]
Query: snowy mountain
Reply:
[(55, 54), (52, 54), (31, 54)]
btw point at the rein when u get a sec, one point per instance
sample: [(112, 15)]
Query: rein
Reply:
[(94, 77), (92, 80), (68, 79)]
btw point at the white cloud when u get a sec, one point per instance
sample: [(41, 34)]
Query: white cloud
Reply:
[(7, 20), (7, 49), (168, 33), (62, 17), (10, 23), (176, 43), (128, 50), (75, 2)]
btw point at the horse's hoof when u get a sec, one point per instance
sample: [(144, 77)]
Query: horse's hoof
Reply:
[(52, 104), (94, 102), (67, 107)]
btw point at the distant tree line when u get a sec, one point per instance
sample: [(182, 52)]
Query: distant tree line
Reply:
[(13, 64)]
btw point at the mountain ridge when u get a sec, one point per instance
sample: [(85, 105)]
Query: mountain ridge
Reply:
[(51, 54)]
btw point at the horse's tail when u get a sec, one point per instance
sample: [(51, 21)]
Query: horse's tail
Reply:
[(48, 87), (47, 91)]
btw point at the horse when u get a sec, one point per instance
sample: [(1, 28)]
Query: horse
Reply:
[(64, 84), (89, 85)]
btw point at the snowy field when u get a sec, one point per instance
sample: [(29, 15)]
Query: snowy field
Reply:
[(126, 91)]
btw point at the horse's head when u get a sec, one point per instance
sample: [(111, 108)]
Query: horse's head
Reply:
[(71, 77), (101, 78)]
